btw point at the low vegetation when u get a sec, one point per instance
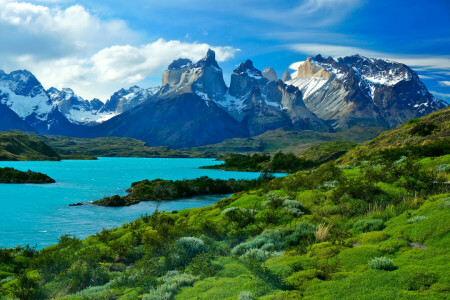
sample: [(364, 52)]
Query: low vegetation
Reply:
[(10, 175), (374, 227)]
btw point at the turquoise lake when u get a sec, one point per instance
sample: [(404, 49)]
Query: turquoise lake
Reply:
[(38, 214)]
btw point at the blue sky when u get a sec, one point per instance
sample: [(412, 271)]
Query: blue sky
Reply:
[(96, 47)]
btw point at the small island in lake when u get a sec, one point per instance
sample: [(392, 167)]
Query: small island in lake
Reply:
[(159, 189), (11, 175)]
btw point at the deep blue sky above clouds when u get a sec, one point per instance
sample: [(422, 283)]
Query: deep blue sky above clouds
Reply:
[(97, 47)]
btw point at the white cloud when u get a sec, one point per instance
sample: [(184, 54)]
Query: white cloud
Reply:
[(111, 68), (422, 62), (445, 96), (44, 32), (309, 13), (72, 47), (445, 83)]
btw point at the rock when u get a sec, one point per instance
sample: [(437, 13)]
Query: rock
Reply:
[(286, 76), (76, 204), (270, 74)]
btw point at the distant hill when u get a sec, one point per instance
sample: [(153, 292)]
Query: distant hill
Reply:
[(288, 140), (106, 147), (18, 146)]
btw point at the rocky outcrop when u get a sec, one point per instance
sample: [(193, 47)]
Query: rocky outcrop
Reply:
[(205, 78), (270, 74), (286, 76)]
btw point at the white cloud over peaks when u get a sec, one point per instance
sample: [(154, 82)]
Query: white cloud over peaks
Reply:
[(422, 62), (112, 68), (72, 47), (445, 83)]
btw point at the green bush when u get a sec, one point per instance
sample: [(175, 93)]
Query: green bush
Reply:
[(368, 225), (381, 263)]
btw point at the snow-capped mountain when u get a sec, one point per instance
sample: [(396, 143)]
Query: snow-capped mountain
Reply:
[(76, 109), (356, 90), (58, 111), (184, 111), (195, 107), (126, 99), (21, 92)]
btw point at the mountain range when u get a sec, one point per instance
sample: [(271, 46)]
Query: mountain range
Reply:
[(195, 107)]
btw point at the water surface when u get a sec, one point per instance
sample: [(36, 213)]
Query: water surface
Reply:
[(38, 214)]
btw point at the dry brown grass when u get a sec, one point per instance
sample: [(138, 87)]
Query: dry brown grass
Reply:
[(323, 231)]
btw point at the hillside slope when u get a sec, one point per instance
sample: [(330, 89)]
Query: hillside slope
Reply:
[(431, 131), (17, 146)]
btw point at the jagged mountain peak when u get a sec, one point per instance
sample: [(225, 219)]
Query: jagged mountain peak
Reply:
[(208, 60), (286, 76), (270, 74)]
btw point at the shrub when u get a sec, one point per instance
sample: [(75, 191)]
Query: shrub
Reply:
[(381, 263), (172, 281), (276, 240), (191, 246), (329, 185), (26, 286), (423, 128), (293, 208), (245, 295), (241, 216), (84, 274), (368, 225), (203, 265), (273, 201), (416, 219)]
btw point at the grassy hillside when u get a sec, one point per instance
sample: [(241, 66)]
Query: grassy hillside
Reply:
[(430, 134), (376, 229), (16, 146)]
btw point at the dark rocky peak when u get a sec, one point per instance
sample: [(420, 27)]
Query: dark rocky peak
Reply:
[(247, 68), (96, 104), (208, 60), (350, 60), (181, 63)]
